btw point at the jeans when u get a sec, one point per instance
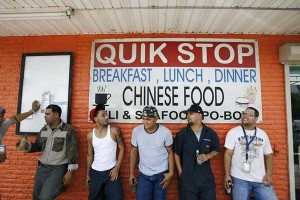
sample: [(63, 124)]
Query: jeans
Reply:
[(149, 187), (101, 187), (242, 190), (48, 183)]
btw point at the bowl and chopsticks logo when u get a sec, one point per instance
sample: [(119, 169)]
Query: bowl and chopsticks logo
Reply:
[(249, 98)]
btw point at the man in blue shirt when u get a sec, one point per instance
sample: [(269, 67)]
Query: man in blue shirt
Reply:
[(194, 146), (5, 123)]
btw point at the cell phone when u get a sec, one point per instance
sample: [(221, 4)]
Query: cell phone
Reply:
[(89, 182), (134, 185)]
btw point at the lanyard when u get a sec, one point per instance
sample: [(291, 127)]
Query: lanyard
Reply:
[(248, 144)]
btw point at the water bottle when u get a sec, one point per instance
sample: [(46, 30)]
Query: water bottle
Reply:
[(197, 154), (45, 100), (228, 191)]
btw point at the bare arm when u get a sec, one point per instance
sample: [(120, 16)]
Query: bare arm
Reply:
[(133, 160), (22, 116), (178, 164), (168, 176), (119, 139), (268, 180), (90, 156), (205, 157), (227, 162), (121, 147)]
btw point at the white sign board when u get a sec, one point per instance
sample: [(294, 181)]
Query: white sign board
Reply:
[(45, 77), (222, 75)]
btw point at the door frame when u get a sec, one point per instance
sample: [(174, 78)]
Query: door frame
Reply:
[(289, 131)]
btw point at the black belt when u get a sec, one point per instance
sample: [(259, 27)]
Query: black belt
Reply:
[(42, 165), (46, 165)]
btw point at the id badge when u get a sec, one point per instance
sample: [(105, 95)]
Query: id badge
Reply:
[(246, 167)]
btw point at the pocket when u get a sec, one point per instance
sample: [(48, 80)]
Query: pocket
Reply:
[(58, 144), (206, 146)]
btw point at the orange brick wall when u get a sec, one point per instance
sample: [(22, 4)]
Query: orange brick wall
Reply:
[(17, 173)]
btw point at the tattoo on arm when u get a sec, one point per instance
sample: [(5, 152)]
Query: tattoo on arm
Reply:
[(119, 137)]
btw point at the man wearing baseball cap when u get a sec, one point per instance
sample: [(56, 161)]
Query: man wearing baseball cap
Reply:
[(194, 146), (5, 123), (153, 142)]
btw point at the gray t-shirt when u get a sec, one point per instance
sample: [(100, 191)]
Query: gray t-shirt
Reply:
[(3, 128), (152, 149)]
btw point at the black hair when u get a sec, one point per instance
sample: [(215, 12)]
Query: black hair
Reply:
[(55, 108), (256, 113), (98, 108)]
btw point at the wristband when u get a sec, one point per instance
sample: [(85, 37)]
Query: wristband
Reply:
[(32, 111)]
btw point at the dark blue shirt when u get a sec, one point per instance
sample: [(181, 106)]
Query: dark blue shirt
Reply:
[(196, 177)]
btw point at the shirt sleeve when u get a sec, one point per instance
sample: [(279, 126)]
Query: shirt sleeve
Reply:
[(267, 148), (178, 143), (169, 139), (134, 138), (72, 149), (5, 125), (229, 141), (216, 146), (36, 146)]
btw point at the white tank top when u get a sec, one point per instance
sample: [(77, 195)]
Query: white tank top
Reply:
[(105, 150)]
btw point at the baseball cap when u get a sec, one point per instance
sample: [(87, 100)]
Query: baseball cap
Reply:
[(2, 110), (194, 108), (150, 111)]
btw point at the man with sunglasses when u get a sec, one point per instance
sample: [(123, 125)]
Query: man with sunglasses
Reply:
[(153, 143), (248, 160), (5, 123), (195, 145), (58, 142)]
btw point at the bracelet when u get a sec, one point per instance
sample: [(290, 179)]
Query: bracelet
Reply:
[(32, 111)]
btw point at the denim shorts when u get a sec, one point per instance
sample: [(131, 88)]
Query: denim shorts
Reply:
[(149, 187), (242, 190)]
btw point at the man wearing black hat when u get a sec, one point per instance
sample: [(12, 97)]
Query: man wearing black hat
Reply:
[(153, 143), (194, 146), (5, 123)]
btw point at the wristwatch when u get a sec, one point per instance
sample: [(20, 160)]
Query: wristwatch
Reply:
[(71, 170)]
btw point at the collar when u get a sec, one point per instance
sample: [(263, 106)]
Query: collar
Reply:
[(60, 125)]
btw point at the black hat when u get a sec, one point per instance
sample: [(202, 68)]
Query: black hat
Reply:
[(194, 108), (150, 111)]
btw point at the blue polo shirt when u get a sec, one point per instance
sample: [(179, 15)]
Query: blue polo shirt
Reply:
[(196, 177)]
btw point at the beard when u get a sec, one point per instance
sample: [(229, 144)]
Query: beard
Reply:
[(190, 123)]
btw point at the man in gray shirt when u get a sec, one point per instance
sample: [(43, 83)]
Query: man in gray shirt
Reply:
[(58, 142), (153, 143), (5, 123)]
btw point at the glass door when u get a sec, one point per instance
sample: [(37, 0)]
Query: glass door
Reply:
[(295, 111)]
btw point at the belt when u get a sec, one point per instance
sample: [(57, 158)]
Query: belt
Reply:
[(42, 165), (46, 165)]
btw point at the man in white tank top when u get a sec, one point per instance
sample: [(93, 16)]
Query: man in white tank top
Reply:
[(153, 143), (102, 163)]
